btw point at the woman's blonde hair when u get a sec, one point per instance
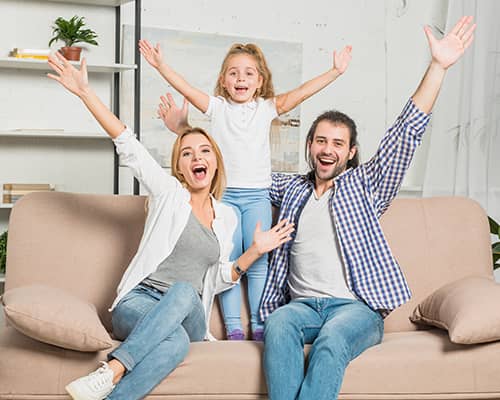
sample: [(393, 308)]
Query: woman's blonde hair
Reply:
[(266, 90), (218, 184)]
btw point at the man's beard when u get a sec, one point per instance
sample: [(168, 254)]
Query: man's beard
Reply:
[(326, 176)]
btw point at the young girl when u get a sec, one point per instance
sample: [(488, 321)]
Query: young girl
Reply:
[(241, 116), (166, 294)]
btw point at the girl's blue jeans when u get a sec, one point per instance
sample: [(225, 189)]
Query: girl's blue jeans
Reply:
[(251, 206), (157, 329)]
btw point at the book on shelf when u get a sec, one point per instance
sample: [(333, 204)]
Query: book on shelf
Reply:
[(12, 192), (28, 186), (37, 54)]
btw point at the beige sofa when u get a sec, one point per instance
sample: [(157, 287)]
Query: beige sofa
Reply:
[(82, 243)]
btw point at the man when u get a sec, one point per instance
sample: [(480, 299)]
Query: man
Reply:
[(335, 281)]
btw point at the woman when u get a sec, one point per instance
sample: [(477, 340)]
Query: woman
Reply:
[(166, 294)]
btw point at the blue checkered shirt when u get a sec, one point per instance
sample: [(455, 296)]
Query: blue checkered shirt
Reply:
[(360, 196)]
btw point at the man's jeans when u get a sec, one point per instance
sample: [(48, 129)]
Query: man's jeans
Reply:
[(157, 329), (339, 330)]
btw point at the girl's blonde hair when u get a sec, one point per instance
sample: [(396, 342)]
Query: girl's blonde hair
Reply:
[(267, 89), (218, 184)]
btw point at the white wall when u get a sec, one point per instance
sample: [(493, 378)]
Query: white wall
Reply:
[(389, 57), (390, 51)]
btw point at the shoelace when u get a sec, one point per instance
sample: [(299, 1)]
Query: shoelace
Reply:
[(100, 378)]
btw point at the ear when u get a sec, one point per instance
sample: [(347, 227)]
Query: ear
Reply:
[(261, 81), (352, 152)]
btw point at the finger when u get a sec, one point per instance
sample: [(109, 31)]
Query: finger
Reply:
[(430, 37), (464, 26), (468, 42), (466, 36), (83, 65), (185, 105), (164, 101), (280, 225), (55, 77), (55, 66), (171, 100), (258, 227), (62, 59), (458, 25)]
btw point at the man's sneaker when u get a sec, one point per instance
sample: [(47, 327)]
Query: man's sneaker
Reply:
[(95, 386), (236, 334)]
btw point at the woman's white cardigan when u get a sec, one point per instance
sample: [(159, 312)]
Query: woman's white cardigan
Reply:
[(168, 213)]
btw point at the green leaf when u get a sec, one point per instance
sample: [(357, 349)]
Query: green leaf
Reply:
[(494, 227), (495, 247)]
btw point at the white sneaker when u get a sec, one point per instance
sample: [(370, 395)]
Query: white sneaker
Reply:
[(95, 386)]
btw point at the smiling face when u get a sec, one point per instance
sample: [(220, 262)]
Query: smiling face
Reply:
[(330, 150), (241, 78), (197, 162)]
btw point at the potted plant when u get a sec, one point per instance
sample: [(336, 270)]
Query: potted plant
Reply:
[(3, 252), (71, 32)]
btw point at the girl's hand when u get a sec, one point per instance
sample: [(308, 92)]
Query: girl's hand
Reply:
[(76, 81), (449, 49), (174, 118), (153, 55), (266, 241), (341, 60)]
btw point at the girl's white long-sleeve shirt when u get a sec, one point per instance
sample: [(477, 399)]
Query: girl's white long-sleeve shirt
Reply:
[(168, 212)]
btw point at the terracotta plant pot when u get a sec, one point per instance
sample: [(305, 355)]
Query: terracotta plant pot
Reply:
[(71, 53)]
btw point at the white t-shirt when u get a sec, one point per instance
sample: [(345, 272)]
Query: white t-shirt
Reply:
[(242, 133), (316, 267)]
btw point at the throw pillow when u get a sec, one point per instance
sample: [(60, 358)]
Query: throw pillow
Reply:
[(468, 308), (54, 316)]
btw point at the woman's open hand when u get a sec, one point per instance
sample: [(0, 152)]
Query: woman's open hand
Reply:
[(265, 241)]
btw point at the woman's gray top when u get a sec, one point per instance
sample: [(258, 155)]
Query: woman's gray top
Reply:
[(196, 250)]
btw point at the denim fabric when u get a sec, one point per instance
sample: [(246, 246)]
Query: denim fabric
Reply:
[(157, 329), (338, 329), (251, 206)]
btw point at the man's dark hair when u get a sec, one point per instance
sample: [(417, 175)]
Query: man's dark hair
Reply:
[(335, 118)]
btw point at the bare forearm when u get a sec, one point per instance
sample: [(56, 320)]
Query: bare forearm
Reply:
[(110, 123), (292, 99), (428, 90), (195, 96), (246, 260)]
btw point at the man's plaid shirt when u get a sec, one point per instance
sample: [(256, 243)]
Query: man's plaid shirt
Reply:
[(360, 196)]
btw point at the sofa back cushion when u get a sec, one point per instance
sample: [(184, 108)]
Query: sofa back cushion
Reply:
[(83, 243), (436, 241)]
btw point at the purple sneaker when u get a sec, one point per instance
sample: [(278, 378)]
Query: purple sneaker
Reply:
[(258, 335), (236, 334)]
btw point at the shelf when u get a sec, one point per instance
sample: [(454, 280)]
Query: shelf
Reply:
[(114, 3), (3, 205), (58, 134), (25, 63)]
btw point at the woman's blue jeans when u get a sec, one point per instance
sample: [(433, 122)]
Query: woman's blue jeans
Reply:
[(339, 330), (251, 206), (157, 329)]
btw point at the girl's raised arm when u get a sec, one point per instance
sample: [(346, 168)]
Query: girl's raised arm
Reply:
[(288, 101), (76, 81), (154, 57)]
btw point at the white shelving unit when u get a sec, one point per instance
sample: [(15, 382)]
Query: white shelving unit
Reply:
[(25, 63), (32, 134)]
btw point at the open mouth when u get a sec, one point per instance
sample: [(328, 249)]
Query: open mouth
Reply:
[(326, 161), (199, 172), (241, 89)]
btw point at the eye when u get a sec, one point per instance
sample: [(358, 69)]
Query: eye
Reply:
[(206, 150), (232, 73), (186, 154), (320, 141)]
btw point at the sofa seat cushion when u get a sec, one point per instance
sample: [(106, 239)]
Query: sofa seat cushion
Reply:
[(407, 365)]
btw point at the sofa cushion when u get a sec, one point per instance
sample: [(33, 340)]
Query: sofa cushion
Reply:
[(54, 316), (468, 308), (407, 365)]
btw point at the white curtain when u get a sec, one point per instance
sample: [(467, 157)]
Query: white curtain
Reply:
[(464, 152)]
